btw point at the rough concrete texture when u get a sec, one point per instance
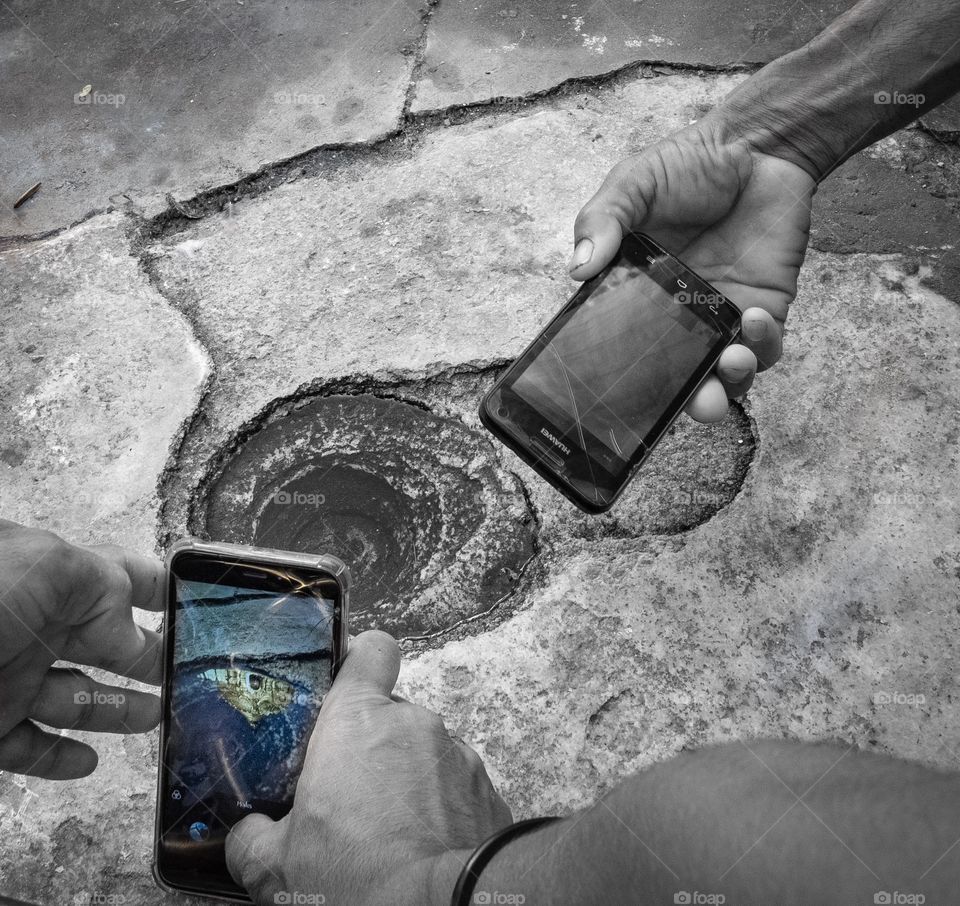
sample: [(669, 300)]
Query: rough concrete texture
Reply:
[(829, 581), (944, 119), (100, 373), (450, 254), (784, 573), (185, 96), (477, 51)]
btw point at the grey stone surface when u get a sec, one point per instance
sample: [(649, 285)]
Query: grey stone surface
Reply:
[(790, 572), (479, 50), (827, 584), (945, 118), (397, 268), (451, 253), (99, 377), (185, 96), (900, 196)]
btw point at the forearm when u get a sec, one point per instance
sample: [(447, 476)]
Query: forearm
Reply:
[(870, 72), (773, 823)]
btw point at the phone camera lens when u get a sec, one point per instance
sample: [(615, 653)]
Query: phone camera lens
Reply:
[(503, 412)]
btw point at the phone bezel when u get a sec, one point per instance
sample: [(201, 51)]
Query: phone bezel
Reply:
[(511, 430), (241, 555)]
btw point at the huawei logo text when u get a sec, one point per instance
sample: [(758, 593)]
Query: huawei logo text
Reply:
[(554, 441)]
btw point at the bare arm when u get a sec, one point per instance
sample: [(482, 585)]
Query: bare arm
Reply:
[(763, 822), (870, 72), (731, 193), (389, 807)]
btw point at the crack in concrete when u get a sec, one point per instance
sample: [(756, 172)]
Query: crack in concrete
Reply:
[(402, 142), (171, 469), (329, 158), (944, 136), (418, 61), (10, 243)]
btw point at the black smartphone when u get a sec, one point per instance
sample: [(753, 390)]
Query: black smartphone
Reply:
[(589, 398), (253, 639)]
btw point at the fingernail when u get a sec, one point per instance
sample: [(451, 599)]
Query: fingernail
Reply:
[(737, 374), (755, 329), (581, 255)]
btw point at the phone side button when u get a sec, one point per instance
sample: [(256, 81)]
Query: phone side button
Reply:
[(546, 454)]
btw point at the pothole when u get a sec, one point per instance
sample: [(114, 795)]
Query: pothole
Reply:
[(446, 532), (435, 531)]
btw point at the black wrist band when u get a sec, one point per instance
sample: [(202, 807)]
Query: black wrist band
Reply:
[(481, 856)]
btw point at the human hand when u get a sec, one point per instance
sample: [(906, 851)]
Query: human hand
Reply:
[(388, 806), (59, 601), (738, 217)]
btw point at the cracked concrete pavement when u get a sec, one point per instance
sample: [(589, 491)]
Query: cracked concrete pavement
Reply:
[(306, 199)]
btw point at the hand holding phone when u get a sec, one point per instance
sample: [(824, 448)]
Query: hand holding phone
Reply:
[(737, 215), (389, 805), (585, 404), (65, 602), (253, 641)]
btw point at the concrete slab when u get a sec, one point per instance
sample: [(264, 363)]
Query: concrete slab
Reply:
[(945, 119), (448, 255), (480, 50), (821, 603), (100, 376), (918, 178), (807, 587), (185, 95), (784, 613)]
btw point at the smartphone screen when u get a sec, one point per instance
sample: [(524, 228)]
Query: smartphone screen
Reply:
[(595, 391), (251, 652)]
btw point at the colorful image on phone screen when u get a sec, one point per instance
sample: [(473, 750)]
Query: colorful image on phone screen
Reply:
[(251, 654)]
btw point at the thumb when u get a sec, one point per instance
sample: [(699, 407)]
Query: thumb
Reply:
[(253, 856), (371, 666), (617, 208)]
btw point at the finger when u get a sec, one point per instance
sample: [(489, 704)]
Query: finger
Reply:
[(615, 209), (72, 700), (147, 575), (114, 580), (371, 667), (131, 651), (709, 404), (760, 333), (252, 850), (27, 749), (736, 369)]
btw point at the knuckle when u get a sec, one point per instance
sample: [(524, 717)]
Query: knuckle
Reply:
[(40, 544), (253, 858), (473, 759), (51, 762), (432, 722), (45, 698), (582, 219), (420, 721), (119, 582)]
